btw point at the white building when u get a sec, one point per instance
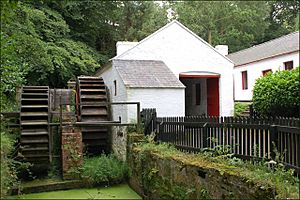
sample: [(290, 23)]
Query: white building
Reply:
[(278, 54), (172, 70)]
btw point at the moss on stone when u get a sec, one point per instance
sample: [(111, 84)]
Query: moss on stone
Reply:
[(266, 180)]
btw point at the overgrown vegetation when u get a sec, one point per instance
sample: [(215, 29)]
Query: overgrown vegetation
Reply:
[(240, 108), (257, 172), (277, 94), (104, 169), (8, 172)]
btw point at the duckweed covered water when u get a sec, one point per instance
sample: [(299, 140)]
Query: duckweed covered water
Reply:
[(122, 191)]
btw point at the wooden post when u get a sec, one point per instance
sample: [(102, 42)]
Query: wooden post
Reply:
[(160, 132), (60, 112), (138, 110), (273, 140), (154, 119), (205, 136)]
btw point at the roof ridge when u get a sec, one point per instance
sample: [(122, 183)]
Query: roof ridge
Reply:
[(264, 43), (133, 60), (146, 38), (164, 27)]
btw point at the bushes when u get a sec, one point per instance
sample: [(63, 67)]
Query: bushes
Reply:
[(109, 169), (8, 172), (277, 94), (240, 108)]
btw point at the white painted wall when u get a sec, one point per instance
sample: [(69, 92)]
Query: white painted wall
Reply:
[(254, 71), (123, 46), (183, 52), (167, 101), (109, 76)]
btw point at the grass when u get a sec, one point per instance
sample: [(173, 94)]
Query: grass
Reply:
[(104, 169), (122, 191), (258, 173)]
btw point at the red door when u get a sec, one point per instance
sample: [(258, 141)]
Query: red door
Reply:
[(213, 97)]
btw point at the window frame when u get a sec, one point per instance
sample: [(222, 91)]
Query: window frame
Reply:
[(285, 65), (115, 87), (264, 72), (244, 80)]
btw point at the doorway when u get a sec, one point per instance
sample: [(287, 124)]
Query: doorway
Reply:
[(213, 100), (201, 93)]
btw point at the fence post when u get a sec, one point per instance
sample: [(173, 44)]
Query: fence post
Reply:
[(205, 134), (138, 110), (274, 140), (154, 120), (160, 132)]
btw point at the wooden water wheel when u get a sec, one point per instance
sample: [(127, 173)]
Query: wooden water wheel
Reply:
[(91, 96), (34, 122)]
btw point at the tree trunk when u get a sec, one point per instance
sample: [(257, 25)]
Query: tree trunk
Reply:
[(209, 37)]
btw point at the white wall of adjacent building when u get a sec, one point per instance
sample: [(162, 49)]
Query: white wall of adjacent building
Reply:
[(184, 52), (110, 75), (254, 71)]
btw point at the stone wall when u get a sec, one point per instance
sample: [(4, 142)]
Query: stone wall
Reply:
[(157, 177), (72, 156), (119, 142)]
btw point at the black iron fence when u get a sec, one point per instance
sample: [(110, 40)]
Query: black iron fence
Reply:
[(247, 137)]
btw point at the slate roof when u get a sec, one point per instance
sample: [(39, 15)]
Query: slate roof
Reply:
[(281, 45), (146, 74)]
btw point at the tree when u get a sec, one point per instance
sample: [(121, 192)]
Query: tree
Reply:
[(237, 24), (139, 19), (42, 41), (91, 22), (283, 19)]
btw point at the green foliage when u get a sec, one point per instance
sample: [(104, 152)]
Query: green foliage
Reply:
[(6, 8), (138, 19), (43, 47), (135, 128), (283, 18), (8, 172), (163, 187), (104, 169), (277, 94), (239, 108), (12, 72), (224, 22)]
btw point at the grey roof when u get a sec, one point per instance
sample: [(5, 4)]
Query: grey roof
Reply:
[(146, 74), (281, 45)]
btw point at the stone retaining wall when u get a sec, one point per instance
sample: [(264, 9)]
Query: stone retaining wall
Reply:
[(157, 177)]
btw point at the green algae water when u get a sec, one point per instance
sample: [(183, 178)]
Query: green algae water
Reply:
[(122, 191)]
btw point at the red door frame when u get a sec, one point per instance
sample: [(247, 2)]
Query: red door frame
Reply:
[(213, 100)]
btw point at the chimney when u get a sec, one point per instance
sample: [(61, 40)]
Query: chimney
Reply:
[(222, 49), (124, 46)]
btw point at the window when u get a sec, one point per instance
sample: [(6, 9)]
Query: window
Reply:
[(266, 71), (198, 93), (244, 80), (115, 87), (288, 65)]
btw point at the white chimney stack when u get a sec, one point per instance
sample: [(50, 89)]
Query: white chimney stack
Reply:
[(222, 49), (124, 46)]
